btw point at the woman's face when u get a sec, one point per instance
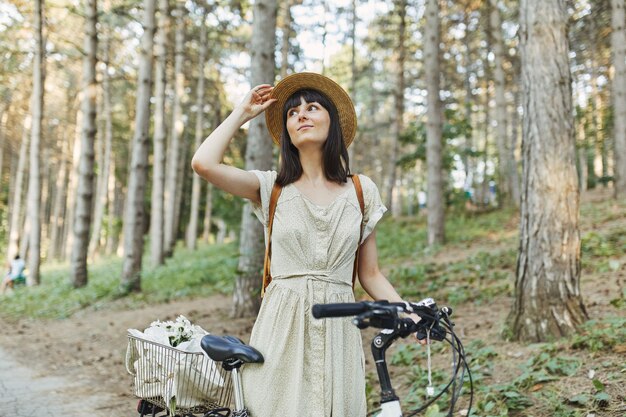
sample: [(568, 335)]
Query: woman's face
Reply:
[(308, 124)]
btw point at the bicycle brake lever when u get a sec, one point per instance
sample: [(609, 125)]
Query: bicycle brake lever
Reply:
[(436, 333)]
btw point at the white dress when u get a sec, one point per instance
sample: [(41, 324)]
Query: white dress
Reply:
[(313, 368)]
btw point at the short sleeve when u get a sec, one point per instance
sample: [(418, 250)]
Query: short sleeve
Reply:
[(374, 207), (266, 181)]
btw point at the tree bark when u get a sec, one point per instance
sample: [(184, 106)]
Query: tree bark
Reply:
[(398, 114), (3, 122), (105, 167), (548, 302), (208, 211), (173, 154), (68, 241), (467, 103), (618, 42), (115, 210), (512, 148), (287, 32), (258, 156), (196, 187), (353, 22), (160, 136), (34, 180), (504, 161), (58, 204), (135, 212), (435, 181), (82, 219), (16, 203)]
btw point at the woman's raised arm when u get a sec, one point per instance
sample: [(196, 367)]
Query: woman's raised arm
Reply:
[(207, 161)]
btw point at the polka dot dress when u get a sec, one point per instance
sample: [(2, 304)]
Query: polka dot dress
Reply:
[(313, 368)]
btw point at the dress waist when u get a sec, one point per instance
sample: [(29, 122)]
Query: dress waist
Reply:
[(314, 287), (320, 276)]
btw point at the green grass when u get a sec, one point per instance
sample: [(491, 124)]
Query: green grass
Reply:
[(207, 270), (406, 238)]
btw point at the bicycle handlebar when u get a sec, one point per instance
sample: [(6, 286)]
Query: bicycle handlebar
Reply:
[(339, 309), (383, 314)]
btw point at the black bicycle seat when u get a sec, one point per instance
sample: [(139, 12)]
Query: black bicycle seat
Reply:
[(222, 348)]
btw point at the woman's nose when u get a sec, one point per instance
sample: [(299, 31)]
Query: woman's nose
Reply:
[(302, 115)]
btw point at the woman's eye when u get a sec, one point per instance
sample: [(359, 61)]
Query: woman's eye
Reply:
[(313, 107), (292, 113)]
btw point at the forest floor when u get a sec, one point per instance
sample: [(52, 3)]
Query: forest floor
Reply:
[(89, 347)]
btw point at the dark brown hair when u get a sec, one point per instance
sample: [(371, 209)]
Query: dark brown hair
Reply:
[(335, 160)]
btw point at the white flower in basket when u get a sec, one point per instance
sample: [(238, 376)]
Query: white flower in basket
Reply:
[(175, 373)]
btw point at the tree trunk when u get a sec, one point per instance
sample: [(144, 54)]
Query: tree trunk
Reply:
[(548, 302), (160, 136), (287, 33), (258, 156), (435, 181), (44, 213), (82, 219), (196, 187), (398, 114), (181, 177), (3, 122), (208, 211), (15, 224), (115, 211), (502, 141), (105, 167), (618, 42), (34, 180), (512, 148), (134, 212), (173, 154), (353, 22), (73, 183), (467, 104), (57, 205)]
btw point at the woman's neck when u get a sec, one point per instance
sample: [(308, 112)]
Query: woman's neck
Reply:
[(312, 167)]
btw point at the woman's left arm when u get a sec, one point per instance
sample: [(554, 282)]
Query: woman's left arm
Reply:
[(371, 278)]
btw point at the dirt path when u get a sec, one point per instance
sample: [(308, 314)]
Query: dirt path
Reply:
[(79, 362), (25, 393)]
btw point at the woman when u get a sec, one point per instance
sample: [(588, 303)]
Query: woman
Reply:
[(313, 368)]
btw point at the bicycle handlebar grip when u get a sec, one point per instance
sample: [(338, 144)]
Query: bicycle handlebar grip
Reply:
[(338, 310)]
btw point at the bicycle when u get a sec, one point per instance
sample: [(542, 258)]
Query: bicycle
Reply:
[(435, 325)]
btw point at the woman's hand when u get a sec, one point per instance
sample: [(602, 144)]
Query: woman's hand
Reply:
[(256, 101), (416, 319)]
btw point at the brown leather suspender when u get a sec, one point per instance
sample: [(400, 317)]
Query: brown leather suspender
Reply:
[(267, 278), (276, 190), (359, 195)]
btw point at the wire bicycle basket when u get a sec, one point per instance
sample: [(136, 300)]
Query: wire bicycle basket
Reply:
[(181, 382)]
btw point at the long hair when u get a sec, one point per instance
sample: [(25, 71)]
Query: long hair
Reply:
[(335, 160)]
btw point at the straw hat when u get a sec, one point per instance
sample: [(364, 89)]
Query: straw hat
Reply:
[(309, 80)]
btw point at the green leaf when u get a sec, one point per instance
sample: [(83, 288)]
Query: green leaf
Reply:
[(602, 396), (489, 406), (433, 411), (581, 399), (599, 386)]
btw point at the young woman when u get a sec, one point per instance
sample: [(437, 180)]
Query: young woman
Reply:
[(313, 368)]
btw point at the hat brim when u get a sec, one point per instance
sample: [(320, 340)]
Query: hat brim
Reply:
[(309, 80)]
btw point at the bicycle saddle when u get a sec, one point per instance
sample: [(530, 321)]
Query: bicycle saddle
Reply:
[(223, 348)]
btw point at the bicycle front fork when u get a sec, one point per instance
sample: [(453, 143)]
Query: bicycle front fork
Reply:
[(389, 401)]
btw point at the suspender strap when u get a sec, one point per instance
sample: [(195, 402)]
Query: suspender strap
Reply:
[(267, 278), (359, 195), (276, 190)]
